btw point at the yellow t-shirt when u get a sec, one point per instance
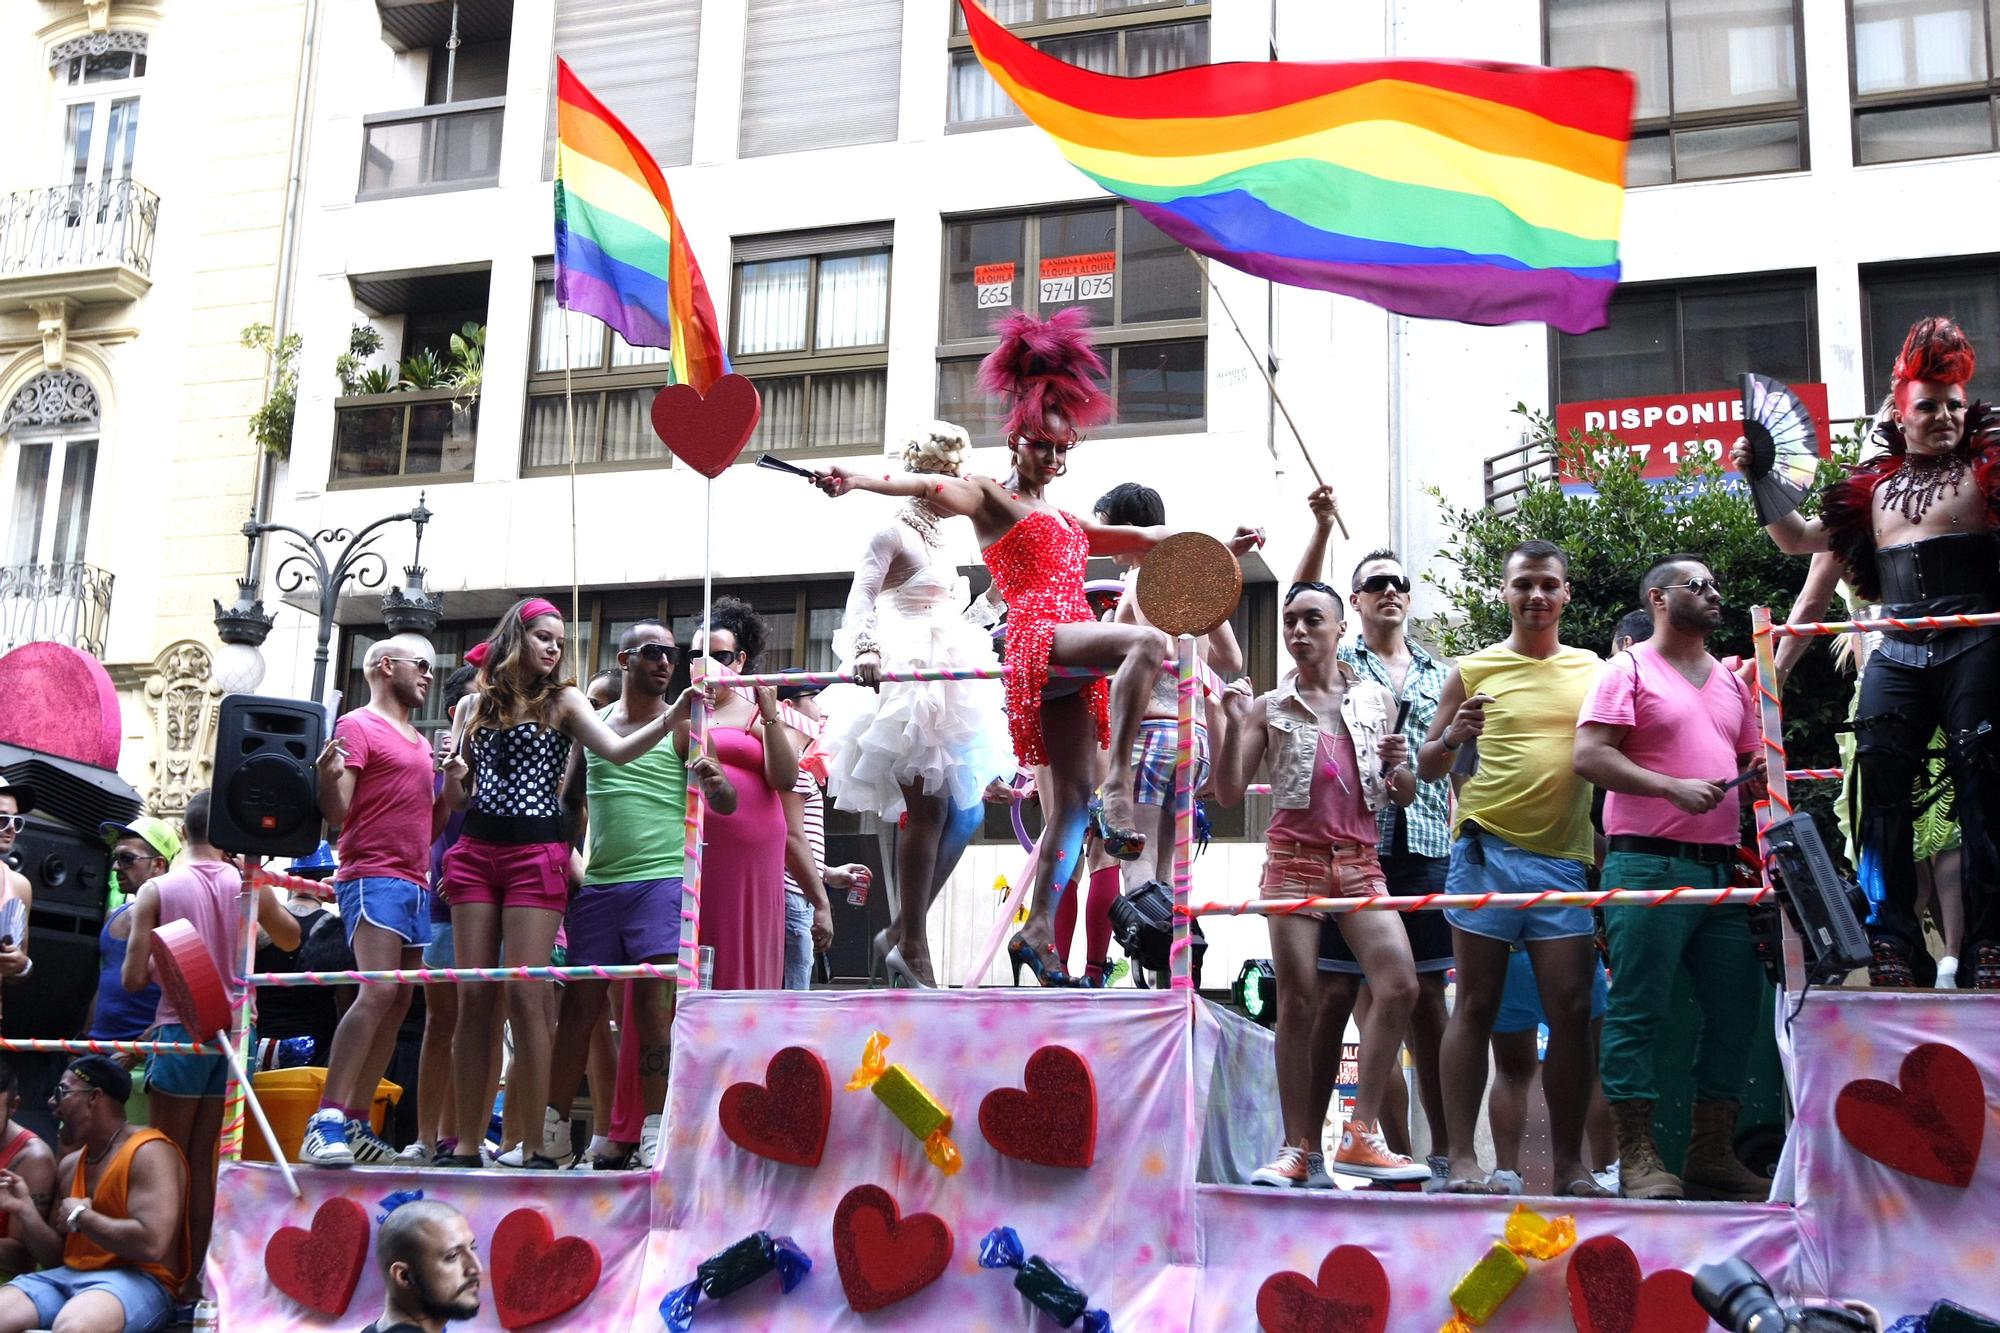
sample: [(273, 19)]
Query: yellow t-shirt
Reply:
[(1526, 790)]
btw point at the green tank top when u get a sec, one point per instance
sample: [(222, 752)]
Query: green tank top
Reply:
[(637, 815)]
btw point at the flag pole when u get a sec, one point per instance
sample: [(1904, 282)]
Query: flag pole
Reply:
[(569, 428), (1263, 368)]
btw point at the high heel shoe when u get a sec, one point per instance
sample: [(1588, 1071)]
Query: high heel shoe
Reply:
[(1048, 969), (878, 957), (1121, 844), (901, 973)]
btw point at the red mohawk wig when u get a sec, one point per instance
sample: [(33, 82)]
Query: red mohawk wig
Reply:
[(1045, 366), (1937, 350)]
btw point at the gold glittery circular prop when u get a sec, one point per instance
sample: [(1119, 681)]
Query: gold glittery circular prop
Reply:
[(1189, 584)]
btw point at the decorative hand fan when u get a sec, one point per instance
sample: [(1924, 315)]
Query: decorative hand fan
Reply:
[(1784, 446)]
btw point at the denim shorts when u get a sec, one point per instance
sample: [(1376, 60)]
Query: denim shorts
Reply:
[(1521, 1001), (148, 1305), (395, 905), (193, 1075), (439, 953), (1484, 863)]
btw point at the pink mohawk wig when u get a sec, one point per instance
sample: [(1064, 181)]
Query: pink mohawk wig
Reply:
[(1045, 366), (1937, 350)]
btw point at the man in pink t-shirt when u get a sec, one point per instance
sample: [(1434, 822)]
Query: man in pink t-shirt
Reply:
[(376, 779), (1664, 732)]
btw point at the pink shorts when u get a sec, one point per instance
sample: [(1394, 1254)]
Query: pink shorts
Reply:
[(1303, 870), (528, 874)]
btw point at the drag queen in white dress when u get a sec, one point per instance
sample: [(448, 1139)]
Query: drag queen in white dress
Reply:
[(918, 754)]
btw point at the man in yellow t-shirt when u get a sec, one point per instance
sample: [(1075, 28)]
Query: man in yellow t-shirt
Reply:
[(1523, 825)]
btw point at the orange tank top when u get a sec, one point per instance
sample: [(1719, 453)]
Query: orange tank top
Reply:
[(86, 1255)]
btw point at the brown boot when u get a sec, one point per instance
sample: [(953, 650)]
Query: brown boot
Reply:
[(1641, 1173), (1712, 1168)]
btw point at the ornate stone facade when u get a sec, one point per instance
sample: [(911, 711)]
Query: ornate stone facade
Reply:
[(181, 698)]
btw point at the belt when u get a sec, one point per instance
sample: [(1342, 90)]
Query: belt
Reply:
[(1701, 853), (514, 830)]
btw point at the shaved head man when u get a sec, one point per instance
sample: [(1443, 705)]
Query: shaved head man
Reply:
[(430, 1268)]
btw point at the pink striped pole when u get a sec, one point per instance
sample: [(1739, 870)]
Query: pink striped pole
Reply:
[(1178, 952), (697, 812)]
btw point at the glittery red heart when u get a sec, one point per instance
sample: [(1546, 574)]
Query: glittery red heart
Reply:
[(1930, 1127), (1351, 1296), (708, 432), (320, 1267), (535, 1275), (1608, 1295), (882, 1255), (783, 1118), (1054, 1121)]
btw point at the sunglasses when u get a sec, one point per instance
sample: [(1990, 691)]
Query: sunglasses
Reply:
[(655, 652), (126, 860), (1699, 587), (1310, 585), (12, 823), (66, 1090), (1380, 583), (422, 665), (720, 656)]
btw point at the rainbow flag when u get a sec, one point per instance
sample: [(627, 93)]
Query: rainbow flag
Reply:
[(1483, 193), (620, 252)]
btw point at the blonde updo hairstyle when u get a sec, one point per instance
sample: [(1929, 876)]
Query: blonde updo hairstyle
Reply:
[(938, 448)]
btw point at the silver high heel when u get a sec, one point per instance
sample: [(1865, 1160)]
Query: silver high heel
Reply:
[(901, 973), (878, 956)]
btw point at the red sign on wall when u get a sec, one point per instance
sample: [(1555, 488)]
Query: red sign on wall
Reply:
[(1666, 430)]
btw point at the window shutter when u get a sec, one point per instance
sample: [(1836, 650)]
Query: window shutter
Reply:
[(818, 75), (638, 57), (828, 240)]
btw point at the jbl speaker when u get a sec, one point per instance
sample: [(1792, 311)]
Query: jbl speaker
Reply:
[(266, 793)]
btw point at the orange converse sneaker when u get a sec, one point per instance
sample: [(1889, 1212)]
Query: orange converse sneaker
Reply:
[(1362, 1153), (1289, 1171)]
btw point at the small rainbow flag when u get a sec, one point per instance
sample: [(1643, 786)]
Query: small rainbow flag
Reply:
[(1483, 193), (620, 252)]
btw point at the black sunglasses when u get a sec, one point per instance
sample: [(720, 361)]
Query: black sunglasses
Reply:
[(1310, 585), (721, 656), (1700, 587), (126, 859), (656, 652), (1378, 583), (422, 665)]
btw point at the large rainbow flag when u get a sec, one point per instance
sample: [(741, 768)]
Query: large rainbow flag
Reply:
[(620, 252), (1483, 193)]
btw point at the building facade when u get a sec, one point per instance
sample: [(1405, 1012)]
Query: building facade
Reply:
[(1804, 178), (142, 211)]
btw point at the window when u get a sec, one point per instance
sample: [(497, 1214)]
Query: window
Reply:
[(1108, 36), (1719, 85), (51, 461), (1895, 296), (98, 84), (810, 324), (638, 57), (1924, 83), (613, 384), (411, 418), (1691, 338), (1144, 293), (819, 75)]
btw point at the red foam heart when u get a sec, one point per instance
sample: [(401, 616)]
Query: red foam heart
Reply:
[(783, 1118), (707, 433), (1608, 1295), (320, 1268), (1351, 1296), (535, 1275), (1930, 1127), (1053, 1122), (882, 1255), (187, 974)]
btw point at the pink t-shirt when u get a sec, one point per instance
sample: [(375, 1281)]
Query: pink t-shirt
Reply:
[(1677, 730), (206, 894), (1338, 812), (388, 828)]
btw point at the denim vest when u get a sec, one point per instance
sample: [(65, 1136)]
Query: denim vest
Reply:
[(1367, 710)]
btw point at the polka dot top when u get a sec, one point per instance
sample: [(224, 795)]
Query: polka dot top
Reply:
[(517, 773)]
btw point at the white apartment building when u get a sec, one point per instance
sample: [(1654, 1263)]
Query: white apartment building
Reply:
[(1806, 177)]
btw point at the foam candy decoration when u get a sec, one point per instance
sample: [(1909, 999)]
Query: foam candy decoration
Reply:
[(1609, 1293), (1041, 1282), (1488, 1284), (1052, 1119), (321, 1266), (785, 1117), (1351, 1296), (1929, 1123), (883, 1256), (187, 973), (536, 1275), (732, 1270), (912, 1103)]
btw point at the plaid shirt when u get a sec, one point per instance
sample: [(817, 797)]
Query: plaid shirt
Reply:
[(1427, 821)]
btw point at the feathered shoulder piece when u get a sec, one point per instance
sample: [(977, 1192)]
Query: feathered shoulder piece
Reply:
[(1044, 367), (1848, 508)]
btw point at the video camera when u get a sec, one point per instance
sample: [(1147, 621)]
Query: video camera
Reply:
[(1736, 1296)]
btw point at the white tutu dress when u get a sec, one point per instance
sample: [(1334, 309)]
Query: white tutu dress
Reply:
[(949, 735)]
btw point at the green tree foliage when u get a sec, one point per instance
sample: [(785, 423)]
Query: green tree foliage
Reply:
[(271, 424), (1612, 538)]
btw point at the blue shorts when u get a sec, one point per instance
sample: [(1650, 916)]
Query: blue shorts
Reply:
[(439, 953), (193, 1075), (395, 905), (1484, 863), (1521, 1001), (148, 1305)]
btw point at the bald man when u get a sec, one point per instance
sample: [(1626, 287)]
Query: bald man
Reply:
[(430, 1268), (375, 785)]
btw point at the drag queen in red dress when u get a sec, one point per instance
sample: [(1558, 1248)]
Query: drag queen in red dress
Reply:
[(1036, 554)]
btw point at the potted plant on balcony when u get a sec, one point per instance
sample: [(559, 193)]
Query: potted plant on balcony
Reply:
[(467, 373)]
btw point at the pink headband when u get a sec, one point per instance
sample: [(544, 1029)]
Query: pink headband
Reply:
[(531, 610)]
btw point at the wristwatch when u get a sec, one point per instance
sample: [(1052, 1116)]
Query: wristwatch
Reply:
[(1448, 742)]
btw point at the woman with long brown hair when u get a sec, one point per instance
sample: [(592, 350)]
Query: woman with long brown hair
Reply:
[(507, 876)]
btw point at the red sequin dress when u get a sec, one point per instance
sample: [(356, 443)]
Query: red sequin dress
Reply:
[(1038, 566)]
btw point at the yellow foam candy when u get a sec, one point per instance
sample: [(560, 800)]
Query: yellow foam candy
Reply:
[(1491, 1281), (1538, 1237), (909, 1101)]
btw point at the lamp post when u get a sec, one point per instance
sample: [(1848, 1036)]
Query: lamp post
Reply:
[(331, 558)]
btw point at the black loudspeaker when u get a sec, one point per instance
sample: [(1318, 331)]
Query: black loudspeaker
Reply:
[(69, 871), (266, 792), (1824, 908)]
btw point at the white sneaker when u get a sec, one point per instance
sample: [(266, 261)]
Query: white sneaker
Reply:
[(1608, 1177), (649, 1142), (1509, 1181), (325, 1142), (558, 1144), (416, 1154), (1947, 973), (368, 1147)]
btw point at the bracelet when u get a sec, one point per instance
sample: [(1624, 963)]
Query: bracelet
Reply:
[(1448, 743), (69, 1223), (864, 642)]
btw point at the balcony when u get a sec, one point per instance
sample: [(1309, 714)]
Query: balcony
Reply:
[(1508, 476), (92, 243), (387, 438), (66, 603), (431, 149)]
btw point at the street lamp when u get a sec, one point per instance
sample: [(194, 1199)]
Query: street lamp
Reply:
[(332, 558)]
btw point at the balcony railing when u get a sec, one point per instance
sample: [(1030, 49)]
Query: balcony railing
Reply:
[(388, 436), (1509, 475), (431, 148), (67, 603), (96, 225)]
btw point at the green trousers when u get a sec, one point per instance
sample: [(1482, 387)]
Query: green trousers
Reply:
[(1648, 946)]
